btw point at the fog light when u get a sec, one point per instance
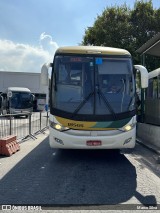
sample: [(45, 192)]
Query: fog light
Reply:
[(127, 141), (59, 141)]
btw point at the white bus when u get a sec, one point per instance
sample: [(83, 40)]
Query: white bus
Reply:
[(152, 102), (16, 100), (92, 98)]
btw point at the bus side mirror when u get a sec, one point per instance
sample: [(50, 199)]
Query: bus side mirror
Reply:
[(9, 94), (32, 97), (144, 75), (44, 74), (1, 100)]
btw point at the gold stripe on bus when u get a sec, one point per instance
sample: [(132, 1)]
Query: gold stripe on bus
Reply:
[(82, 125)]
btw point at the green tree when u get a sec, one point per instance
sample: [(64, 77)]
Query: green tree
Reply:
[(122, 27), (143, 22), (110, 29)]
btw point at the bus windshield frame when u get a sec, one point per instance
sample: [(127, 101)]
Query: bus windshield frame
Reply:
[(21, 100), (91, 87)]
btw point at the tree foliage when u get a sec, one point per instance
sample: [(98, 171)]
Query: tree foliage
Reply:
[(122, 27)]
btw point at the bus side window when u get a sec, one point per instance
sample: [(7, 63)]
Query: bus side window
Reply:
[(155, 88), (150, 89)]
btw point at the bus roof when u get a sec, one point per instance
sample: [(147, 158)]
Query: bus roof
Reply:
[(18, 89), (92, 50), (154, 73)]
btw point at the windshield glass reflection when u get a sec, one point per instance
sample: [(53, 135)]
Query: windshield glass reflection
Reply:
[(21, 100), (88, 85)]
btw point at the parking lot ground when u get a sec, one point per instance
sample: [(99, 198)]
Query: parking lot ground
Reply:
[(7, 163), (80, 179)]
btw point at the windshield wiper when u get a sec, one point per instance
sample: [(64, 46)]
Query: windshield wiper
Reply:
[(100, 93), (107, 103), (83, 103), (89, 96)]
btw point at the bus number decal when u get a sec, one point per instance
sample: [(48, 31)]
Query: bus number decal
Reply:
[(75, 125)]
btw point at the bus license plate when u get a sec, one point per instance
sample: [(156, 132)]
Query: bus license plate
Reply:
[(94, 143)]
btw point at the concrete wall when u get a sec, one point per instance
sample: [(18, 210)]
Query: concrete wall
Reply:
[(149, 134)]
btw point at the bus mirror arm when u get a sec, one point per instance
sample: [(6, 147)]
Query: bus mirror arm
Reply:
[(144, 75)]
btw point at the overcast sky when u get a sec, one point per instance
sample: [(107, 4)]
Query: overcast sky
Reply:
[(31, 30)]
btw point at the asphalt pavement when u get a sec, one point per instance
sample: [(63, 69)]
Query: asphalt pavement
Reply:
[(79, 179)]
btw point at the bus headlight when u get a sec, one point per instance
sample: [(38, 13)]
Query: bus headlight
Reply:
[(128, 127), (58, 127)]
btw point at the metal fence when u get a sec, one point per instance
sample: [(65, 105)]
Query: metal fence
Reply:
[(23, 125)]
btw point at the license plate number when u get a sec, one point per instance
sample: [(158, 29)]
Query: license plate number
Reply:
[(94, 143)]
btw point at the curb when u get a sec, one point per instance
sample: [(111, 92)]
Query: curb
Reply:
[(150, 147)]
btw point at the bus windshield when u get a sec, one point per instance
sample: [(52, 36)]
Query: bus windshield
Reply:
[(93, 85), (21, 100)]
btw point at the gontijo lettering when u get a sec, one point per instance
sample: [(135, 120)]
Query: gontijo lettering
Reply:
[(75, 125)]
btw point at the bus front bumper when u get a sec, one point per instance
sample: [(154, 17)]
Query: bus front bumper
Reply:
[(19, 111), (74, 139)]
